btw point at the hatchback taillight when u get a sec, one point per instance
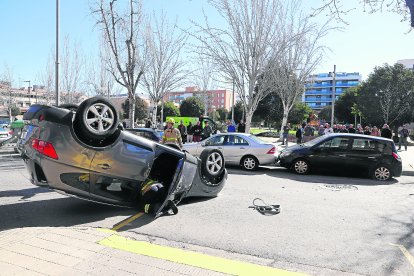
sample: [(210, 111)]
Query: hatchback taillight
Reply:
[(44, 148), (272, 151), (396, 156)]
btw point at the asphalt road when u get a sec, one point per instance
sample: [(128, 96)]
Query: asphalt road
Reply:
[(328, 225)]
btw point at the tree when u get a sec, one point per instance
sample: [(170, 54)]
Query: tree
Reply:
[(192, 107), (289, 71), (325, 113), (126, 42), (222, 113), (269, 110), (204, 78), (47, 78), (169, 110), (299, 113), (248, 51), (165, 70), (14, 111), (242, 50), (345, 105), (141, 109), (6, 94), (72, 64), (387, 96), (335, 9), (238, 111)]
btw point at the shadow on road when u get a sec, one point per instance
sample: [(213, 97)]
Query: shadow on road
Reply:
[(25, 193), (56, 212), (320, 177)]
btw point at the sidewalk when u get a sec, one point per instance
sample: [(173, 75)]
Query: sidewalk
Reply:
[(77, 251)]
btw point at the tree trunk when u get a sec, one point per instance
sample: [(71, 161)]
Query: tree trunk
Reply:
[(285, 119), (249, 116), (131, 100), (154, 115)]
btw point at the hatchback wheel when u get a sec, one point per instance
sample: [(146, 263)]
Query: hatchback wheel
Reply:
[(381, 173), (250, 163), (301, 166)]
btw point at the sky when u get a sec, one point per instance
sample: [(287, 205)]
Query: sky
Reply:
[(27, 34)]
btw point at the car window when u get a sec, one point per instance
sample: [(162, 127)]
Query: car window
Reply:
[(336, 143), (240, 141), (215, 141), (361, 144)]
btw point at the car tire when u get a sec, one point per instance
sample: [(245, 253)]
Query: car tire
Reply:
[(96, 118), (249, 163), (71, 107), (301, 166), (212, 164), (381, 173)]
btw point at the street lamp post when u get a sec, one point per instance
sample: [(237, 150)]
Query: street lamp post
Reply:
[(28, 91), (57, 56), (232, 105), (333, 96)]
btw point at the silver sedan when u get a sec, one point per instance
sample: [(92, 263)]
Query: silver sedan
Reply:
[(4, 135), (241, 149)]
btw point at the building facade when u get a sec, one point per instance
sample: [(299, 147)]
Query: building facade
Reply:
[(408, 63), (216, 99), (319, 88)]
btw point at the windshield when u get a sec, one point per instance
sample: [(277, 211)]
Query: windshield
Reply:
[(314, 141)]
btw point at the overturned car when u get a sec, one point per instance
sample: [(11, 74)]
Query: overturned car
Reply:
[(83, 151)]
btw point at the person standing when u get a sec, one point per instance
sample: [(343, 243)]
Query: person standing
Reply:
[(308, 133), (367, 130), (375, 131), (207, 131), (403, 133), (183, 131), (197, 131), (230, 127), (241, 127), (351, 129), (386, 131), (299, 134), (285, 134), (172, 135), (328, 130), (321, 130), (190, 132), (343, 129)]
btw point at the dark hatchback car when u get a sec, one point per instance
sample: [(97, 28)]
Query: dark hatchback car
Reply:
[(375, 156), (149, 133)]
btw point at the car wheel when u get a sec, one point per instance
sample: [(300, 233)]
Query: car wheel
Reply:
[(381, 173), (97, 118), (212, 164), (301, 166), (71, 107), (249, 163)]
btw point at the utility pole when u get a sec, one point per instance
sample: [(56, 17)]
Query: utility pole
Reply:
[(57, 56), (28, 92), (232, 105), (333, 96)]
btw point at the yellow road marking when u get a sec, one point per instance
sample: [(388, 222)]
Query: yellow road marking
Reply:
[(407, 254), (192, 258), (126, 221)]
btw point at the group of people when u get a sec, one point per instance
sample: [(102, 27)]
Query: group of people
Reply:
[(231, 127), (305, 132)]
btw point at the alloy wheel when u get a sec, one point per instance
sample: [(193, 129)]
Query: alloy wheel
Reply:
[(214, 163), (249, 163), (382, 173), (99, 118), (301, 167)]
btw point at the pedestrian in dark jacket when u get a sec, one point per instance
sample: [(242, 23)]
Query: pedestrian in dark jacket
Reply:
[(190, 133), (386, 132), (183, 131), (207, 130), (241, 127)]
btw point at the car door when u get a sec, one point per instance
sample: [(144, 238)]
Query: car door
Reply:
[(215, 142), (234, 147), (364, 154), (330, 155), (116, 172)]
